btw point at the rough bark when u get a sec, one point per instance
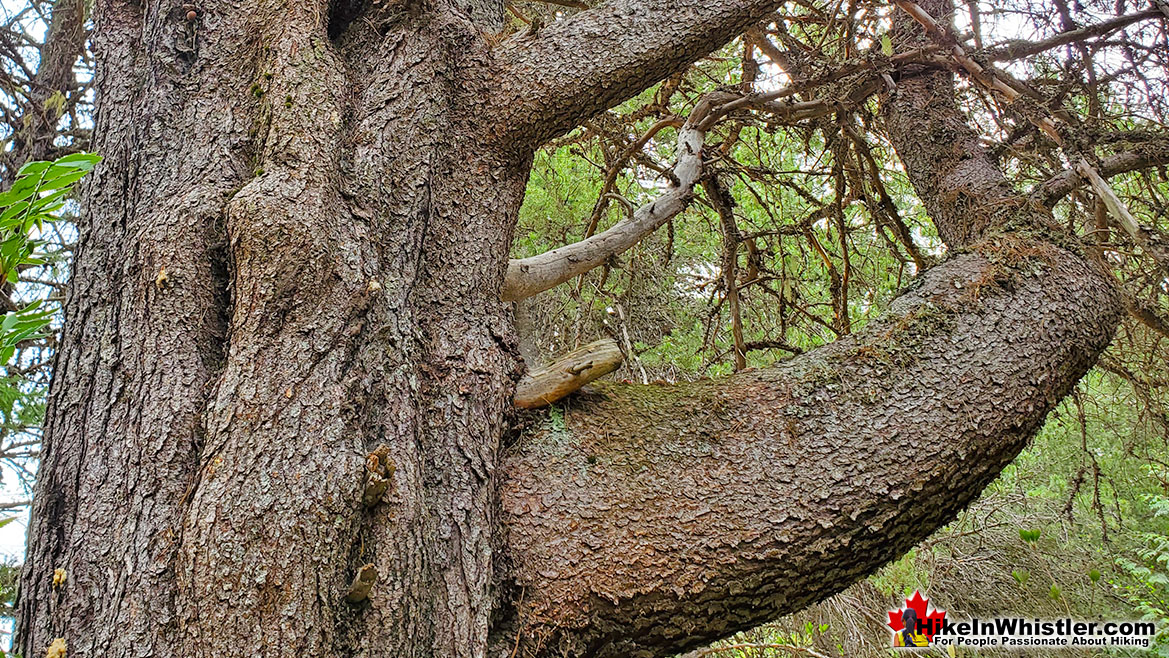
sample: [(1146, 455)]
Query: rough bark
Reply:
[(205, 495), (287, 296), (138, 350), (551, 80), (654, 519)]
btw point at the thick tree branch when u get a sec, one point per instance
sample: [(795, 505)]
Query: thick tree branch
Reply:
[(552, 80), (658, 518), (655, 519), (999, 83), (544, 385), (951, 171)]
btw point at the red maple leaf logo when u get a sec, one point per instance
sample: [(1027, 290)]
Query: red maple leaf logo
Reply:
[(930, 617)]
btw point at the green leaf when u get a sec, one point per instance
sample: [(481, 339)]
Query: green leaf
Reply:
[(40, 190), (12, 215), (85, 161), (33, 168), (1021, 576), (63, 181), (886, 45), (20, 193)]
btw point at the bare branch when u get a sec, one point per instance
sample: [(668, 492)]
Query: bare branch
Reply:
[(55, 78), (885, 434), (976, 71), (1150, 242), (528, 276), (1151, 154), (1020, 49)]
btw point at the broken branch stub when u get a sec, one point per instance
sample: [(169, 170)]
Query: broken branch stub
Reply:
[(547, 384)]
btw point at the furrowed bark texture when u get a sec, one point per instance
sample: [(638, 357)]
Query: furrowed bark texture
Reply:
[(286, 365), (122, 429), (205, 496)]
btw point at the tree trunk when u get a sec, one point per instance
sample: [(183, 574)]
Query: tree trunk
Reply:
[(287, 293), (291, 257)]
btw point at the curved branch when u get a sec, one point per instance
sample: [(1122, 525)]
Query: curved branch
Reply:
[(657, 518), (528, 276), (551, 80)]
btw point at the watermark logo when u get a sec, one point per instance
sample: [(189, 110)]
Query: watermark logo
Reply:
[(920, 624), (915, 624)]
